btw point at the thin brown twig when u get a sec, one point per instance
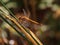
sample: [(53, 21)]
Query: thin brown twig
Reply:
[(24, 17)]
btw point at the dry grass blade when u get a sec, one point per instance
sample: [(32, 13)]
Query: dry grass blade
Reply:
[(22, 29), (28, 33)]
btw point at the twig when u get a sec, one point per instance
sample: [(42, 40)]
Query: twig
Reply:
[(24, 17)]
